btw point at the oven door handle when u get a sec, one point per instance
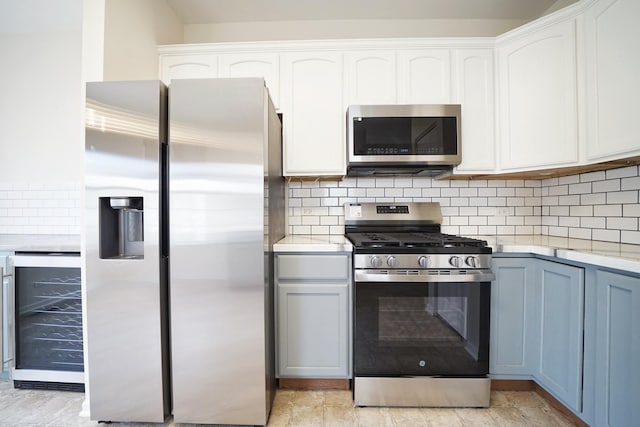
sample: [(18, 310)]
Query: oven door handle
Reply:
[(424, 276)]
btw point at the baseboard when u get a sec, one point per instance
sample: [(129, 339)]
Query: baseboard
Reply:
[(512, 385), (530, 385), (557, 405), (314, 384), (497, 385)]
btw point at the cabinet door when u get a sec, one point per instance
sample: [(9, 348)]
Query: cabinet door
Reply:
[(313, 338), (313, 114), (424, 76), (617, 350), (188, 66), (538, 99), (473, 89), (370, 77), (513, 317), (613, 89), (561, 332), (265, 65)]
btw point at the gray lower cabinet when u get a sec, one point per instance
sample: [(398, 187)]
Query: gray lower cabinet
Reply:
[(537, 321), (514, 318), (561, 314), (313, 315), (617, 370), (574, 329)]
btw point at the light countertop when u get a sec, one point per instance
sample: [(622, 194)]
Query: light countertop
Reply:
[(313, 243), (40, 242), (604, 254)]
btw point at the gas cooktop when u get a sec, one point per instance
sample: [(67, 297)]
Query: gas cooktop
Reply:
[(412, 240), (404, 228)]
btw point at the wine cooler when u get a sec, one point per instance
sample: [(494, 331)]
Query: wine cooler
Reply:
[(48, 340)]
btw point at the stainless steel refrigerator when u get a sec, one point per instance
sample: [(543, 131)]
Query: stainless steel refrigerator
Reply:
[(179, 242)]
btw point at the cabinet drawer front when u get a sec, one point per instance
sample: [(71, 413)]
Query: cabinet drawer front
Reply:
[(312, 267)]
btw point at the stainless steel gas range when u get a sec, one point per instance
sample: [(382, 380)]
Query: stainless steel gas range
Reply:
[(421, 309)]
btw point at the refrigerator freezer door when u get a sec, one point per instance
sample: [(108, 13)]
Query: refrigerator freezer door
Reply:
[(219, 313), (125, 266)]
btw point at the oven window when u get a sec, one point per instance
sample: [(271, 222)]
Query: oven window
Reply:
[(421, 329)]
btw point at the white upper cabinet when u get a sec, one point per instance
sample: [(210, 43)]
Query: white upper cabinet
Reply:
[(560, 91), (424, 76), (265, 65), (612, 54), (538, 104), (474, 89), (313, 113), (188, 66), (370, 77)]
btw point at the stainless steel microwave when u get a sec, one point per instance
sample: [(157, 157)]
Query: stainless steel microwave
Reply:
[(403, 139)]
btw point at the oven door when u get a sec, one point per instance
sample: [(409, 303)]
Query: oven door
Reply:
[(421, 329)]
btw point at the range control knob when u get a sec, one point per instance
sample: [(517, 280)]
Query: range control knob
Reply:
[(455, 261), (376, 261), (472, 261), (424, 261), (392, 261)]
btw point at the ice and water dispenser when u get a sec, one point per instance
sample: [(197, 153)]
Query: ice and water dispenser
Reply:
[(121, 228)]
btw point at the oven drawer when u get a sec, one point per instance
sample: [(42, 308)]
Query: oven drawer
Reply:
[(313, 267)]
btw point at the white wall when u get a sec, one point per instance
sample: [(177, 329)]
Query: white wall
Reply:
[(133, 30), (40, 107), (345, 29)]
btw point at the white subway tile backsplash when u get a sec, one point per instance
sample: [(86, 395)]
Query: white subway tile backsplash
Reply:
[(593, 222), (572, 179), (412, 192), (582, 206), (622, 223), (607, 210), (630, 183), (393, 192), (580, 233), (583, 188), (598, 205), (632, 237), (606, 235), (631, 210), (593, 176), (559, 231), (354, 192), (40, 208), (506, 192), (375, 192), (581, 210), (622, 197), (593, 199), (606, 186), (559, 190), (403, 182), (622, 172), (319, 192)]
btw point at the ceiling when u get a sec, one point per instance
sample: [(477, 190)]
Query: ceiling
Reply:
[(219, 11)]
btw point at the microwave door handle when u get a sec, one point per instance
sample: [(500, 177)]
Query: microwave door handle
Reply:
[(425, 132)]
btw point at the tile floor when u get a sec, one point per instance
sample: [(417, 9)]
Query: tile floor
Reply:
[(36, 408)]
